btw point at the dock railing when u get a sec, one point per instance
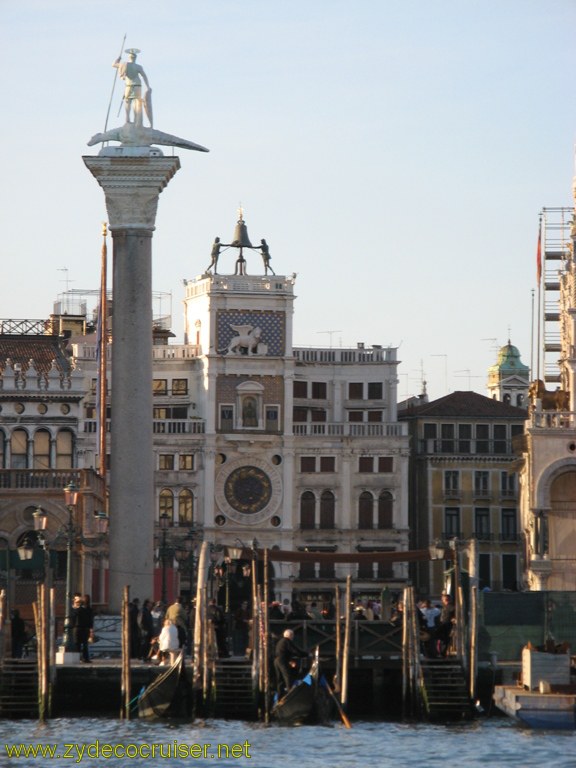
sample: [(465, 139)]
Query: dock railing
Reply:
[(368, 639)]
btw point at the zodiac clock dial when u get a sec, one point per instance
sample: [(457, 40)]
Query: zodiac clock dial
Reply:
[(248, 489)]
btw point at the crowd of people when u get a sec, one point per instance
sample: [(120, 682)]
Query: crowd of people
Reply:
[(159, 632)]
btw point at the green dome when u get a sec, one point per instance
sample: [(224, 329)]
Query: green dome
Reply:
[(509, 360)]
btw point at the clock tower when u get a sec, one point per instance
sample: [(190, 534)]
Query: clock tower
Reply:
[(239, 314)]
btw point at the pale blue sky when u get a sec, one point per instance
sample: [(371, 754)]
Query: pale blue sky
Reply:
[(395, 154)]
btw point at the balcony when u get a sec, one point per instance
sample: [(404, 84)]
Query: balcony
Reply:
[(350, 429), (160, 426), (466, 447), (554, 420), (47, 480)]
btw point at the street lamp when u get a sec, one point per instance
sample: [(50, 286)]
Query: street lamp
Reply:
[(186, 555), (164, 522), (71, 494)]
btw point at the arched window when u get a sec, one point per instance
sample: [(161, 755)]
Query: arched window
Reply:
[(366, 510), (307, 510), (186, 507), (64, 449), (327, 509), (520, 400), (166, 504), (19, 449), (2, 450), (42, 449), (385, 510)]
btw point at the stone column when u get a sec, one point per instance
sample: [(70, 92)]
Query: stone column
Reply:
[(131, 187)]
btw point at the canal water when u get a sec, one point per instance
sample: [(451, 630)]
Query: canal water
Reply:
[(90, 742)]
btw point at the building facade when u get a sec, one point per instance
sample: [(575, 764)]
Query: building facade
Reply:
[(548, 472), (464, 487), (256, 440)]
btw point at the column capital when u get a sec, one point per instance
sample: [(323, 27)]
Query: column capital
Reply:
[(131, 187)]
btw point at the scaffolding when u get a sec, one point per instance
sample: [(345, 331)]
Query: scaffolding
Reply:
[(556, 250)]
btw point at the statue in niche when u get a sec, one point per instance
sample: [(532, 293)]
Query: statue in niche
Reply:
[(249, 414)]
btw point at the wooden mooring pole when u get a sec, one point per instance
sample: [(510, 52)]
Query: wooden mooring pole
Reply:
[(126, 677)]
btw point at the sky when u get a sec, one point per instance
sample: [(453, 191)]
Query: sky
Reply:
[(395, 154)]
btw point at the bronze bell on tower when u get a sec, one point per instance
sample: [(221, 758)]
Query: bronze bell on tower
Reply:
[(240, 237)]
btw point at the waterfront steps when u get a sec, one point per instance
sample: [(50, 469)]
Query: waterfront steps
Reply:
[(18, 688)]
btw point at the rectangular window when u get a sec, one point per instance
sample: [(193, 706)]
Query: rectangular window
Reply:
[(484, 571), (186, 462), (508, 485), (430, 431), (307, 464), (355, 390), (327, 570), (451, 481), (482, 438), (481, 483), (375, 390), (179, 386), (375, 417), (318, 415), (464, 438), (500, 442), (301, 389), (327, 464), (451, 522), (366, 570), (355, 416), (166, 461), (366, 464), (226, 418), (482, 523), (385, 464), (93, 386), (447, 432), (307, 570), (299, 415), (160, 386), (510, 572), (272, 423), (509, 525), (319, 390)]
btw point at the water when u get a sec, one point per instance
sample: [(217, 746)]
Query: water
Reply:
[(491, 742)]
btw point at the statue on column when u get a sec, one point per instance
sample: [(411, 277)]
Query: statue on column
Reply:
[(131, 72), (134, 134)]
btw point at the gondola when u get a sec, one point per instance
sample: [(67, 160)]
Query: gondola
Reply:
[(307, 701), (169, 694)]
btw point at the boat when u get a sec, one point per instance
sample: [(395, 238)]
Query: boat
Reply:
[(545, 697), (168, 695), (307, 701)]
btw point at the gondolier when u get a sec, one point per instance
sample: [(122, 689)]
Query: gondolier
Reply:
[(286, 651), (131, 73)]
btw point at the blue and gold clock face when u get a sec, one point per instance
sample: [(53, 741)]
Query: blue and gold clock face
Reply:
[(248, 490)]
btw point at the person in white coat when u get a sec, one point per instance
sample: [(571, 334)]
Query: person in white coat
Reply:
[(168, 642)]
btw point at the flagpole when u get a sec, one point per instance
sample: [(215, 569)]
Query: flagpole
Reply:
[(538, 314), (114, 85), (102, 338)]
